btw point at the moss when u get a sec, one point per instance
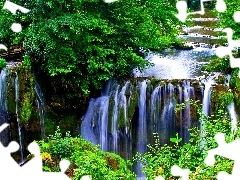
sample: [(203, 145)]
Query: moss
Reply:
[(26, 93), (110, 112), (69, 122), (133, 103), (221, 97), (3, 63), (221, 79), (121, 122), (235, 86), (217, 65), (112, 160), (49, 126), (11, 105), (175, 81), (155, 82)]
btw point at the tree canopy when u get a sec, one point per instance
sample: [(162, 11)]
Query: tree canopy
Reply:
[(85, 42)]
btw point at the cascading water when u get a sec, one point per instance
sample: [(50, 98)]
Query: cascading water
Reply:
[(207, 95), (206, 103), (233, 116), (87, 125), (127, 118), (96, 122), (4, 135), (18, 122), (187, 111), (131, 124), (41, 106), (166, 126), (114, 129), (155, 110), (142, 128), (181, 131)]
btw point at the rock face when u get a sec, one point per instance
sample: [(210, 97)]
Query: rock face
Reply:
[(17, 105)]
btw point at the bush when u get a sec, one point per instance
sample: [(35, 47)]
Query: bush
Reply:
[(85, 158), (3, 63), (218, 65)]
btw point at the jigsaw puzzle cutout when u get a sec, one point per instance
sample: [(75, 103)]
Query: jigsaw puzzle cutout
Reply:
[(227, 51), (33, 168), (236, 16), (12, 7), (182, 8), (110, 1), (232, 44), (228, 150), (16, 27)]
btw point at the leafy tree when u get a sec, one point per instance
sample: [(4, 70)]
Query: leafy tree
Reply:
[(83, 43)]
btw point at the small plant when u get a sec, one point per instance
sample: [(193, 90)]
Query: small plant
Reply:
[(85, 158), (27, 61), (3, 63)]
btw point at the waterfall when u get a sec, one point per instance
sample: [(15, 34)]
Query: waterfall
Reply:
[(142, 134), (3, 89), (207, 95), (18, 122), (233, 116), (167, 119), (123, 125), (114, 124), (187, 93), (142, 129), (96, 122), (206, 103), (155, 108), (41, 106), (103, 120), (87, 126), (4, 136), (124, 119), (181, 133)]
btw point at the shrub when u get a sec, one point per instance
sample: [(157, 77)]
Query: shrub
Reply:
[(218, 65), (85, 158), (3, 63)]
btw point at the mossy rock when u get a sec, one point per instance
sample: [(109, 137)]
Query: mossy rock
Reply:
[(221, 97), (235, 86)]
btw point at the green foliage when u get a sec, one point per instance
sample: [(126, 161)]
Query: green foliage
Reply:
[(26, 91), (225, 99), (218, 65), (27, 62), (87, 42), (227, 17), (235, 86), (3, 63), (235, 80), (160, 159), (85, 158), (221, 97)]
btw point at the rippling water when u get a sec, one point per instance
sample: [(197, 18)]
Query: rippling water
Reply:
[(178, 64)]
